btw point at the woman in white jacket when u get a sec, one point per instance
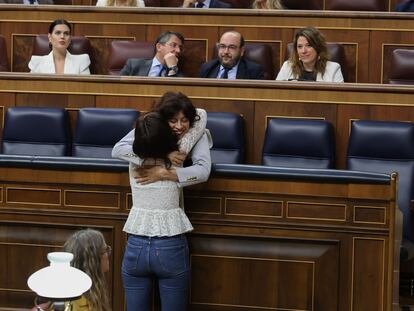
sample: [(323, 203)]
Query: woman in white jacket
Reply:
[(309, 60), (60, 60)]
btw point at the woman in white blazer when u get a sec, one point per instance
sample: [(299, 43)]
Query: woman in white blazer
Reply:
[(309, 59), (60, 60)]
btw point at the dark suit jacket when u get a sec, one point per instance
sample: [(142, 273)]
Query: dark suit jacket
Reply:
[(139, 67), (21, 1), (246, 70), (407, 6), (219, 4)]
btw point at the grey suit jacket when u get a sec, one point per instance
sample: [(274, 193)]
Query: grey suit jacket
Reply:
[(139, 67), (21, 1)]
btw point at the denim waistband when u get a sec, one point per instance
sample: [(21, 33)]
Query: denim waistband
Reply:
[(143, 237)]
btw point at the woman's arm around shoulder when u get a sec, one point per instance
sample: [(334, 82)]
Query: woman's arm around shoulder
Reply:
[(123, 149), (190, 138)]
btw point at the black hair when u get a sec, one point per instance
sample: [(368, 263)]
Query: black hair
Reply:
[(154, 138), (59, 22), (166, 35), (172, 103)]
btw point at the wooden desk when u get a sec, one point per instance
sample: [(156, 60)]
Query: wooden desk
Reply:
[(287, 242)]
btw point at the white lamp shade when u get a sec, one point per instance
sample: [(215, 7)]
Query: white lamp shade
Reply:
[(59, 280)]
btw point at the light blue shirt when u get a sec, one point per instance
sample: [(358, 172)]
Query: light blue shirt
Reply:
[(231, 74), (156, 68)]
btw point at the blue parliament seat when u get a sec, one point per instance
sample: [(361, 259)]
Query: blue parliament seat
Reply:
[(99, 129), (227, 131), (299, 143), (402, 67), (36, 131), (386, 147)]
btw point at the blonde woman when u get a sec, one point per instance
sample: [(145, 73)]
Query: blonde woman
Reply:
[(91, 255), (267, 4), (131, 3)]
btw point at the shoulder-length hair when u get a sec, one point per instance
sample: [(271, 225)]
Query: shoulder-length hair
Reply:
[(154, 138), (86, 246), (271, 4), (315, 40), (172, 103)]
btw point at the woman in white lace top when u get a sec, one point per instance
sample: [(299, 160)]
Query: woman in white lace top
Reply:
[(157, 246)]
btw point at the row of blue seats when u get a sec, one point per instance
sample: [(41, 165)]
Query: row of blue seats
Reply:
[(43, 136)]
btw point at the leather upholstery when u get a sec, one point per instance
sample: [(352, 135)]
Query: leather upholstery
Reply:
[(336, 53), (259, 53), (300, 143), (386, 147), (227, 131), (4, 62), (303, 5), (402, 67), (357, 5), (36, 131), (121, 50), (98, 129), (79, 45)]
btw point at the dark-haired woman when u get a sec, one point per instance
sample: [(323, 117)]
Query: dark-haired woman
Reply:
[(60, 60), (157, 246), (309, 60)]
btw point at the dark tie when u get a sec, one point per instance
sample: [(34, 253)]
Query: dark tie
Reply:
[(225, 74), (162, 72), (199, 5), (31, 1)]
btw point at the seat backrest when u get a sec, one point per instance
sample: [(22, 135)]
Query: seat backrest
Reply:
[(336, 54), (260, 53), (121, 50), (79, 45), (386, 147), (4, 61), (402, 67), (99, 129), (303, 5), (357, 5), (227, 131), (36, 131), (152, 3), (301, 143)]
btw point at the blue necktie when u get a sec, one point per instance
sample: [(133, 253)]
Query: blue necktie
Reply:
[(162, 72), (225, 74)]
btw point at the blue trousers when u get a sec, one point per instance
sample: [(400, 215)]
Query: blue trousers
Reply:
[(166, 259)]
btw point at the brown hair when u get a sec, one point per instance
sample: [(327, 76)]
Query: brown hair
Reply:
[(318, 42)]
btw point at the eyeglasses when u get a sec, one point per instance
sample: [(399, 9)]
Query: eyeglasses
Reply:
[(231, 47), (175, 45), (108, 250)]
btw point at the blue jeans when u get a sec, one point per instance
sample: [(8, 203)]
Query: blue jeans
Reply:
[(166, 259)]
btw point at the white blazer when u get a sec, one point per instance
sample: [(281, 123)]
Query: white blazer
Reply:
[(74, 64), (332, 73)]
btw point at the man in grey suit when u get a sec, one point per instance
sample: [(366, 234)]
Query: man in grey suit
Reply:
[(168, 48), (27, 1)]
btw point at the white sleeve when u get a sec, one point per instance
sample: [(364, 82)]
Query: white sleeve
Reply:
[(34, 64), (285, 72), (140, 3), (123, 149), (337, 76), (84, 64), (190, 138), (101, 3)]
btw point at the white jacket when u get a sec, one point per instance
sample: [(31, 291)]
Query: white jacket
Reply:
[(332, 73), (74, 64)]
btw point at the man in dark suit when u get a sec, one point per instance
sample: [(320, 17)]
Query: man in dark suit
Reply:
[(230, 63), (27, 1), (204, 4), (168, 47), (406, 6)]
